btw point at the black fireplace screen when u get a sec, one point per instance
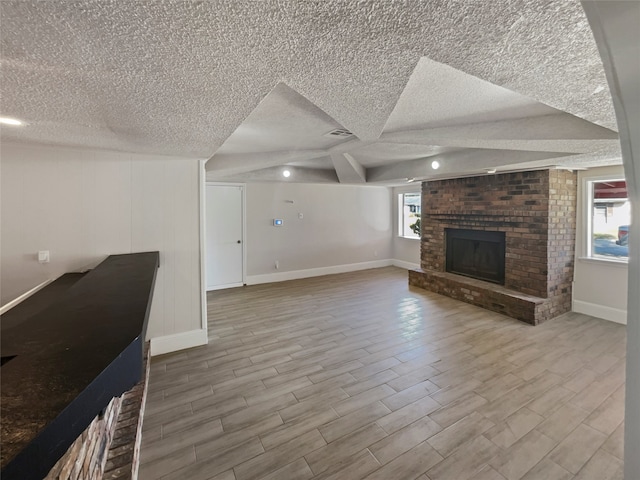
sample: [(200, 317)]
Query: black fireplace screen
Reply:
[(476, 253)]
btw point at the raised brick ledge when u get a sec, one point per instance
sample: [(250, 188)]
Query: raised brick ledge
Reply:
[(496, 298)]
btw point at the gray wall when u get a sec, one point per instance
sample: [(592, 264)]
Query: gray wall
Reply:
[(83, 205), (341, 225)]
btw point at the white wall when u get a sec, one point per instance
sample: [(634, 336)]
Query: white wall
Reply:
[(406, 251), (343, 227), (615, 29), (600, 286), (83, 205)]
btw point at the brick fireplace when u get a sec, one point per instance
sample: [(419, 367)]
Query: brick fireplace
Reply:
[(535, 213)]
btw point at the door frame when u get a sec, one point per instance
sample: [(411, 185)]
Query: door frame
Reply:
[(243, 187)]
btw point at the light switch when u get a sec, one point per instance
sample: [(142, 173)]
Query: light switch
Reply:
[(43, 256)]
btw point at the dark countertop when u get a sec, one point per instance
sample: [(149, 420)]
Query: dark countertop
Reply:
[(78, 342)]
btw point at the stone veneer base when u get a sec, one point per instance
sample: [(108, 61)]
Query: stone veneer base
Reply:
[(123, 458), (109, 447), (487, 295)]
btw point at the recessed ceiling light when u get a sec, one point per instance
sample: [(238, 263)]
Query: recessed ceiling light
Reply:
[(11, 121), (435, 164), (410, 180), (286, 173), (491, 170)]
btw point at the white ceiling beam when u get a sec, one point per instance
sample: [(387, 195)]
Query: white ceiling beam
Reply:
[(348, 169), (561, 126), (234, 163), (568, 146), (460, 162), (274, 174)]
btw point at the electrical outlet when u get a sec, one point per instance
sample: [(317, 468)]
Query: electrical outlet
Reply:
[(43, 256)]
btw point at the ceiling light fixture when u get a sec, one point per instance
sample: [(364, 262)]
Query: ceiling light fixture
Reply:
[(435, 164), (598, 89), (286, 173), (410, 180), (491, 170), (11, 121)]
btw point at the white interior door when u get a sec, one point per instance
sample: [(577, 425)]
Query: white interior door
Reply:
[(224, 236)]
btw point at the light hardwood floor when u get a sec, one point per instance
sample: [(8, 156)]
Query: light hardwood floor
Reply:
[(357, 375)]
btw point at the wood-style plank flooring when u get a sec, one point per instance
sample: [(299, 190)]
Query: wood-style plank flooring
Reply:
[(357, 375)]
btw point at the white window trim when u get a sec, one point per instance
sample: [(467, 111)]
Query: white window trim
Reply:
[(400, 212), (587, 197), (619, 263)]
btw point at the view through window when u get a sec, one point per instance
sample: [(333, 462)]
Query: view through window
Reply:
[(610, 219), (409, 215)]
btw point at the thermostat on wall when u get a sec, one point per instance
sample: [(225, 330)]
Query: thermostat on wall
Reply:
[(277, 222)]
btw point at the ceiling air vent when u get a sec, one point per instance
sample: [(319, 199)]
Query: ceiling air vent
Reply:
[(339, 132)]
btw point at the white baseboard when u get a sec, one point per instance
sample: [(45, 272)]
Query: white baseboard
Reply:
[(222, 287), (315, 272), (616, 315), (406, 265), (178, 341)]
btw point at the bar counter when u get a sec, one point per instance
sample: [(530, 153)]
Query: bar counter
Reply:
[(67, 351)]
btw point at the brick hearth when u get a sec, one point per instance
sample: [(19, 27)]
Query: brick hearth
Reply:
[(537, 212)]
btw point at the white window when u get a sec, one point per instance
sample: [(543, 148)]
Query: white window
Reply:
[(609, 219), (409, 215)]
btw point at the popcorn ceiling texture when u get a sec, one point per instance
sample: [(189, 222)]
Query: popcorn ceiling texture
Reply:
[(178, 77)]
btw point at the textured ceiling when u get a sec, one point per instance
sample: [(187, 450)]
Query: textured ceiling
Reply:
[(180, 77), (469, 125)]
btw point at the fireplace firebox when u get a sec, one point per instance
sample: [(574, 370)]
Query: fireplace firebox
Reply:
[(476, 253)]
